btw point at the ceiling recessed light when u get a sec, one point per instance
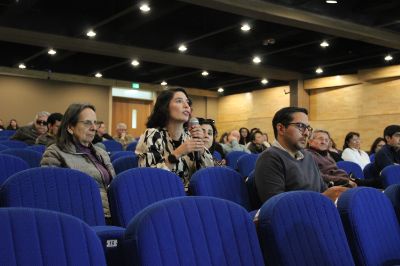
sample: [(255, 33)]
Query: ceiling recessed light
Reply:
[(90, 33), (182, 48), (245, 27), (220, 89), (144, 8), (98, 75), (135, 62), (388, 57), (319, 70), (256, 60), (324, 44), (331, 1), (164, 83), (51, 51), (264, 81), (204, 73), (22, 66)]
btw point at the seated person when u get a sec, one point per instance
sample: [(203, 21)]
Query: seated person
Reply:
[(13, 125), (167, 144), (390, 153), (53, 123), (210, 131), (334, 152), (122, 137), (266, 142), (74, 150), (377, 145), (233, 143), (352, 150), (257, 142), (244, 136), (286, 166), (101, 134), (30, 133), (224, 138), (318, 147)]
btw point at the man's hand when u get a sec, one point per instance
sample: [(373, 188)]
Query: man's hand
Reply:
[(334, 192)]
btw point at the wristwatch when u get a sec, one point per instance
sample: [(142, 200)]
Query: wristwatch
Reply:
[(172, 158)]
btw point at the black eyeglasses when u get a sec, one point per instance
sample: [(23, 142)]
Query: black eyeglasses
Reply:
[(41, 122), (206, 121), (302, 127)]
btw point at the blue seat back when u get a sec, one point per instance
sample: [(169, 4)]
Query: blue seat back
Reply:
[(217, 155), (135, 189), (14, 144), (255, 201), (370, 171), (193, 231), (125, 163), (220, 182), (302, 228), (3, 147), (38, 148), (393, 193), (10, 165), (58, 189), (232, 158), (351, 167), (7, 133), (40, 237), (119, 154), (246, 163), (132, 146), (372, 158), (390, 175), (371, 226), (33, 158), (112, 145)]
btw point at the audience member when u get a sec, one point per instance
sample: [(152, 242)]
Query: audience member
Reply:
[(121, 136), (377, 145), (257, 142), (74, 149), (1, 125), (390, 153), (286, 166), (167, 144), (209, 131), (318, 146), (334, 152), (244, 136), (233, 143), (224, 138), (30, 133), (352, 151), (13, 125), (265, 140), (53, 124), (101, 134)]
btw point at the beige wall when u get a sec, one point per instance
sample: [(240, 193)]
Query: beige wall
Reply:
[(252, 109), (206, 107), (22, 98)]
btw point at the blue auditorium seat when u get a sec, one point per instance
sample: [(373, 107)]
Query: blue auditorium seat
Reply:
[(32, 157), (370, 171), (246, 163), (41, 237), (371, 226), (393, 193), (351, 167), (192, 231), (217, 155), (112, 145), (10, 165), (38, 148), (3, 147), (125, 163), (7, 133), (220, 182), (13, 143), (132, 146), (232, 158), (119, 154), (390, 175), (64, 190), (302, 228), (255, 201), (135, 189)]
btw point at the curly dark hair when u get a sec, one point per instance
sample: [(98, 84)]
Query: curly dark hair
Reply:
[(160, 114)]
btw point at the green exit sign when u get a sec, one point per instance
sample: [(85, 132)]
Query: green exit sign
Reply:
[(135, 85)]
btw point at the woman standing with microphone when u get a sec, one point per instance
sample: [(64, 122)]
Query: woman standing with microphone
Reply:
[(167, 143)]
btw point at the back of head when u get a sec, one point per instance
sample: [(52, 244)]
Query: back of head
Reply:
[(391, 130), (51, 120), (284, 116)]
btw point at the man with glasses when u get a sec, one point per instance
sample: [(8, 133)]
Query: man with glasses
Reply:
[(286, 166), (390, 153), (122, 137), (30, 133), (53, 123)]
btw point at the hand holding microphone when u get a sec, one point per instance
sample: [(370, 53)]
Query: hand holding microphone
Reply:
[(197, 134)]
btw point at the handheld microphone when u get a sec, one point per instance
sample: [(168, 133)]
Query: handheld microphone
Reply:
[(194, 122)]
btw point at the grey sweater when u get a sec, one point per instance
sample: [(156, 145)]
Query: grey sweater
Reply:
[(276, 172)]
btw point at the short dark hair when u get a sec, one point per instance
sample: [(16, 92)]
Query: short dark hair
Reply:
[(348, 137), (391, 130), (160, 114), (71, 118), (284, 116), (253, 135), (51, 120)]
